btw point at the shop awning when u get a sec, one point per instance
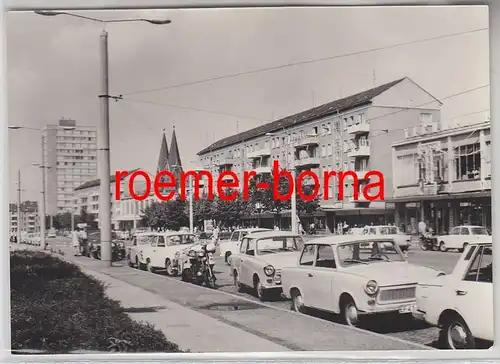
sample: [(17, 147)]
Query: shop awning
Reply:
[(442, 196), (360, 211)]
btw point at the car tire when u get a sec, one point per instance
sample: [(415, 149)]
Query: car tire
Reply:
[(260, 292), (349, 312), (463, 248), (168, 267), (150, 267), (226, 257), (236, 280), (297, 301), (442, 247), (456, 325)]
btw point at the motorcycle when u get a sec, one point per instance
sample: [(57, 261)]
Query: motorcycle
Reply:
[(428, 241), (198, 265)]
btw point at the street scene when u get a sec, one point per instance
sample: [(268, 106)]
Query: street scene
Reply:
[(179, 233)]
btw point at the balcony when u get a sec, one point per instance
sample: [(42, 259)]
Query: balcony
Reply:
[(359, 128), (226, 162), (309, 140), (308, 162), (264, 152), (362, 149), (225, 178), (263, 170)]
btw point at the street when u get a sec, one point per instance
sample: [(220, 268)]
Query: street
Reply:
[(215, 305)]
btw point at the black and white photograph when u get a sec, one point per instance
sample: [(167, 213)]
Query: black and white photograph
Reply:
[(305, 179)]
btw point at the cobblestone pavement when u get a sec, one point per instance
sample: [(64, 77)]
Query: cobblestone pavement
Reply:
[(405, 328)]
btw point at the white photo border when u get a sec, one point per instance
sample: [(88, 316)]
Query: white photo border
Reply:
[(479, 356)]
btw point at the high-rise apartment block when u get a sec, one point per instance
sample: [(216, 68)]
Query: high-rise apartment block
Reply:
[(70, 153)]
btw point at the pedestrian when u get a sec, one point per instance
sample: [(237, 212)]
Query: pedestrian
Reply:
[(85, 242), (276, 227), (76, 243)]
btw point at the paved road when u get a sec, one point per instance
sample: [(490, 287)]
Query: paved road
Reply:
[(402, 328)]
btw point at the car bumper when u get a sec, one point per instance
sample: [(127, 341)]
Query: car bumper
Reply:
[(419, 315), (404, 308)]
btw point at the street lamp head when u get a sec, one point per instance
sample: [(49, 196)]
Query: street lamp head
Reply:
[(48, 12), (158, 21), (14, 127)]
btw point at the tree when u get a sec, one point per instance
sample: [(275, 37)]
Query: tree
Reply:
[(169, 215), (307, 208), (266, 197), (85, 217), (202, 210), (228, 213)]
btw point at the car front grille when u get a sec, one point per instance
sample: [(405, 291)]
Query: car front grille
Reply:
[(397, 294)]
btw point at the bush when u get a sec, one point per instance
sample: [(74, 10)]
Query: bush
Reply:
[(57, 308)]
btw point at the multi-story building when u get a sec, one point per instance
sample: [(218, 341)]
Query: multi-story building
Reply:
[(353, 133), (443, 176), (30, 220), (70, 152)]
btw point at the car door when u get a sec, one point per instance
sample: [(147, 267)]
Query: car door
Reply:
[(474, 294), (465, 237), (453, 240), (322, 279), (158, 257), (238, 258), (245, 261), (151, 250), (304, 274)]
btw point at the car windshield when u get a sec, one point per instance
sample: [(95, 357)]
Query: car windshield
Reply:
[(479, 231), (279, 244), (389, 230), (368, 252), (182, 239)]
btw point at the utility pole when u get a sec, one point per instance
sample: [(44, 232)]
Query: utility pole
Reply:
[(43, 244), (191, 194), (103, 147), (19, 206)]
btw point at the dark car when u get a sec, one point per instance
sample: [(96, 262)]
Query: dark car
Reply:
[(118, 249)]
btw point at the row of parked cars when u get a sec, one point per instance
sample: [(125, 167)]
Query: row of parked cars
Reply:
[(359, 275)]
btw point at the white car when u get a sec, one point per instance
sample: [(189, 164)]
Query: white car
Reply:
[(260, 259), (461, 303), (164, 251), (461, 236), (133, 250), (51, 234), (228, 247), (401, 239), (353, 276)]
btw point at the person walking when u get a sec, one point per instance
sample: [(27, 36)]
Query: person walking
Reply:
[(75, 242), (84, 242)]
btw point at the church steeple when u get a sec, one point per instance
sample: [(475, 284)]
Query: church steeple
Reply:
[(174, 157), (163, 158)]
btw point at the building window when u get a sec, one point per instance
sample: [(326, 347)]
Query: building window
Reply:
[(408, 168), (468, 162), (329, 150), (361, 118), (425, 117)]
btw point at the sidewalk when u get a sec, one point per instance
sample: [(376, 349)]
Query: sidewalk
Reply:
[(187, 328)]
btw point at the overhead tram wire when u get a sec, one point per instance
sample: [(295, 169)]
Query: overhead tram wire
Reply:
[(367, 120), (299, 63)]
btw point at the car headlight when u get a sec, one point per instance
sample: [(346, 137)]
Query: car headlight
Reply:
[(269, 270), (371, 287)]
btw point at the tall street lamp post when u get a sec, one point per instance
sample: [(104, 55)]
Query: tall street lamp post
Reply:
[(103, 138), (43, 167)]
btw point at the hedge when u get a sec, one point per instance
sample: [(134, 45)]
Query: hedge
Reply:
[(56, 308)]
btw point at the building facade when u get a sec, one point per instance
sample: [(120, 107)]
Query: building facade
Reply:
[(443, 176), (70, 152), (351, 134), (29, 221)]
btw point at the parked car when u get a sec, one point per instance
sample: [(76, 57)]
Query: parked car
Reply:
[(401, 239), (51, 234), (261, 257), (353, 276), (461, 236), (135, 246), (461, 303), (228, 247), (163, 251)]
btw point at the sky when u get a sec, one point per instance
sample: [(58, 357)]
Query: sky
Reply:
[(54, 71)]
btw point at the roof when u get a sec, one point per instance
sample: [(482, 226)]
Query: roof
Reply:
[(97, 182), (163, 156), (174, 157), (330, 108), (250, 230), (270, 234), (339, 239)]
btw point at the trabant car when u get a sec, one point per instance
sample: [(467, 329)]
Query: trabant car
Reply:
[(261, 257), (164, 251), (401, 239), (461, 303), (133, 250), (340, 274), (228, 247), (461, 236)]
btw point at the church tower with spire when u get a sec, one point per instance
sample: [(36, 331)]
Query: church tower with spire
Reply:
[(174, 159)]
